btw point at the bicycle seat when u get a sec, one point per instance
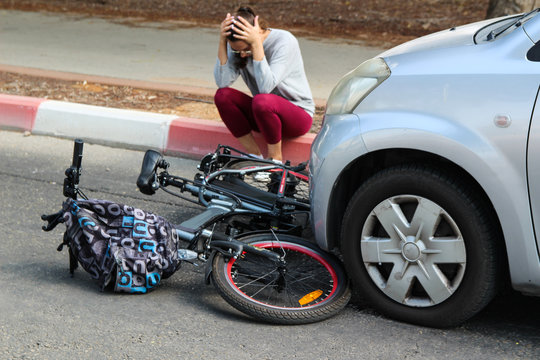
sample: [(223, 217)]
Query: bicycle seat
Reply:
[(147, 182)]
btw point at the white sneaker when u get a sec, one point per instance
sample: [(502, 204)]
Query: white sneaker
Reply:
[(262, 176)]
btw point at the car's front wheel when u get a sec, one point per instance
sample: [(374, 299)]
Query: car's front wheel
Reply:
[(420, 246)]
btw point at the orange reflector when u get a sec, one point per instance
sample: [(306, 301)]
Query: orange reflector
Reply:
[(310, 297)]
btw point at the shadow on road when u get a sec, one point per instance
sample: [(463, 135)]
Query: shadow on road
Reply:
[(512, 313)]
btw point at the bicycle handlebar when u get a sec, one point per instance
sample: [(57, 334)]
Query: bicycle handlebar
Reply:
[(71, 182)]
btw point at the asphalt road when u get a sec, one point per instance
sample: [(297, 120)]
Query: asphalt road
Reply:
[(46, 314)]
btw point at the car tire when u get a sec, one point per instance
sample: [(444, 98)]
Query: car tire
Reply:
[(421, 246)]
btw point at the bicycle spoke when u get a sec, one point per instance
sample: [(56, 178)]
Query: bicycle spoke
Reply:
[(264, 287), (253, 281), (315, 281), (304, 278)]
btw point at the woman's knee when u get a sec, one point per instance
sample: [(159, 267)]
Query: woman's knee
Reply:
[(263, 103), (223, 96)]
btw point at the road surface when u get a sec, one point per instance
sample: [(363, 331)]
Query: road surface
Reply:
[(46, 314)]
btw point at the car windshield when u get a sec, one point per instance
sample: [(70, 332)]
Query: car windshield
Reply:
[(503, 27)]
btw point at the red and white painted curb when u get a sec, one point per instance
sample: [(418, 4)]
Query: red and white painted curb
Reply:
[(131, 129)]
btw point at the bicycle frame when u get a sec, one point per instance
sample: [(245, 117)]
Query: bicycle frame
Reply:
[(220, 203), (244, 236)]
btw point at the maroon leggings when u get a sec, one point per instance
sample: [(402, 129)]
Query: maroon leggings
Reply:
[(271, 115)]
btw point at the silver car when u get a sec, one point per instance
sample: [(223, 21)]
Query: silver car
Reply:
[(426, 172)]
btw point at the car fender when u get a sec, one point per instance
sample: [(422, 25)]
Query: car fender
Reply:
[(333, 150)]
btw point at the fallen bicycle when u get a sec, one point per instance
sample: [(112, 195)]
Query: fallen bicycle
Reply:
[(247, 235)]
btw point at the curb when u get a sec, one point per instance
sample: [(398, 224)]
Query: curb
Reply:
[(170, 134)]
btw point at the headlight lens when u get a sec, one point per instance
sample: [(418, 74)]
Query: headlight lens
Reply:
[(356, 85)]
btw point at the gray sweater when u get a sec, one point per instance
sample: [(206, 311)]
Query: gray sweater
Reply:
[(281, 72)]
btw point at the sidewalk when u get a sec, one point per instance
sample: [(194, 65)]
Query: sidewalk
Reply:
[(150, 56)]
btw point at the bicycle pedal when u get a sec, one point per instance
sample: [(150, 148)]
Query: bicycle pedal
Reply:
[(187, 255)]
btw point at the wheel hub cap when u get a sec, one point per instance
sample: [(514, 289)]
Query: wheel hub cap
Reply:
[(413, 251)]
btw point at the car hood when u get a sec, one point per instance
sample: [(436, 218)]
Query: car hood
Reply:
[(458, 36)]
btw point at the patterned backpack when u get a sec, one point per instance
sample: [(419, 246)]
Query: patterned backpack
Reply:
[(118, 244)]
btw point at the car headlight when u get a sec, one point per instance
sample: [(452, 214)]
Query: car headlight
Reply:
[(356, 85)]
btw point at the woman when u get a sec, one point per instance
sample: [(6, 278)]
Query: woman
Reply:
[(270, 63)]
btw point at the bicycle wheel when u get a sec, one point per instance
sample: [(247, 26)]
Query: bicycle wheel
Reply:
[(296, 184), (312, 286)]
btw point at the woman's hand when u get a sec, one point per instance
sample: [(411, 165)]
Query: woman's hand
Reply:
[(251, 34), (225, 29)]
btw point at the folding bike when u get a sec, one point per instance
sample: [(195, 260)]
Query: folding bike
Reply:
[(248, 234)]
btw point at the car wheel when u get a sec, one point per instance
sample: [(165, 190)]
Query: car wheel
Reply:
[(420, 246)]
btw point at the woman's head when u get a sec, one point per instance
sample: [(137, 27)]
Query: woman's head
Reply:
[(242, 49), (246, 13)]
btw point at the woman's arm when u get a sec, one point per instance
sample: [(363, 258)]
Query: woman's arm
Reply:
[(224, 72), (270, 74), (224, 32)]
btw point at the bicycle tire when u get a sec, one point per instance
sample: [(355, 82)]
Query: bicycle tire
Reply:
[(297, 186), (314, 287)]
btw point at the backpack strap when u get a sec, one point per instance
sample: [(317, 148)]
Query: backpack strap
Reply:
[(73, 263)]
